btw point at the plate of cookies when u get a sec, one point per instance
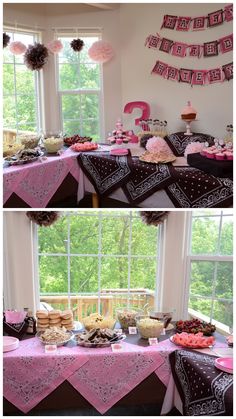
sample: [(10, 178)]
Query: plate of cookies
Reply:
[(54, 318)]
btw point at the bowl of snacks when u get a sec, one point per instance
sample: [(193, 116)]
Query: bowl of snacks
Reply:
[(149, 328), (55, 336), (29, 141), (166, 317), (98, 338), (96, 321), (11, 149), (53, 144), (126, 318)]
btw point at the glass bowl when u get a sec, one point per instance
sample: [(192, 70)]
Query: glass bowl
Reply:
[(164, 316), (29, 141), (126, 317), (149, 328), (53, 144)]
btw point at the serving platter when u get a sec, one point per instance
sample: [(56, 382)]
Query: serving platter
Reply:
[(14, 161), (99, 345), (156, 158), (58, 343), (190, 346)]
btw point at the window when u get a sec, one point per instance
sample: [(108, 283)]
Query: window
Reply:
[(210, 266), (20, 88), (98, 260), (80, 89)]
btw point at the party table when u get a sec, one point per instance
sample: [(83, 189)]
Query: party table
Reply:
[(36, 184), (102, 378)]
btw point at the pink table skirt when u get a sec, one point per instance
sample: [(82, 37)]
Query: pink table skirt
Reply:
[(99, 375), (37, 182)]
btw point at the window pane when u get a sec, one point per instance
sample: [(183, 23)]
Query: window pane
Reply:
[(201, 305), (202, 274), (114, 273), (90, 128), (53, 239), (24, 80), (223, 312), (89, 106), (143, 273), (115, 235), (26, 112), (226, 243), (89, 76), (84, 274), (69, 78), (205, 233), (84, 234), (71, 107), (224, 280), (8, 76), (144, 238), (9, 112), (71, 128), (53, 274)]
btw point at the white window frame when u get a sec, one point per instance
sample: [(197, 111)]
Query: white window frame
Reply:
[(99, 255), (98, 92), (188, 312), (37, 78)]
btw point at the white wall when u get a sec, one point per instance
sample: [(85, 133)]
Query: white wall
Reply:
[(214, 103), (127, 77)]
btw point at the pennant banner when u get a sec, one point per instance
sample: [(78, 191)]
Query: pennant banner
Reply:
[(194, 77), (185, 23), (180, 49)]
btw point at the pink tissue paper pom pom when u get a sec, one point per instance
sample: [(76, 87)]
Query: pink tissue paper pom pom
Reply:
[(157, 144), (101, 52), (17, 48), (194, 148), (55, 46)]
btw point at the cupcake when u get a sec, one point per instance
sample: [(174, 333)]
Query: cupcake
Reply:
[(220, 156)]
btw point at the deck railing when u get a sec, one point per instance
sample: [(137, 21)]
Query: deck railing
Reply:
[(110, 300)]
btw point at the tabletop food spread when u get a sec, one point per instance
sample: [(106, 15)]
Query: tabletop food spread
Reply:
[(89, 361)]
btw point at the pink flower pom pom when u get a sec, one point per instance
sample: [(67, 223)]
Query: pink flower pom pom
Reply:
[(17, 48), (194, 148), (157, 144), (101, 52), (55, 46)]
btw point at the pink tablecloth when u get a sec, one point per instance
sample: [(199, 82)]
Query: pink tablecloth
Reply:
[(101, 376), (37, 182)]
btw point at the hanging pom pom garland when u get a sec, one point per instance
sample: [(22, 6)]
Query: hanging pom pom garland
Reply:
[(43, 218), (77, 44), (36, 56), (6, 39), (153, 217), (101, 52), (17, 48), (55, 46)]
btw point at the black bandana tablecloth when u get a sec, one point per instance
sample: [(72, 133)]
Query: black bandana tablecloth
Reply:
[(204, 390), (187, 187), (179, 141)]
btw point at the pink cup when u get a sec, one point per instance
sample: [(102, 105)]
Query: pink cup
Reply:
[(220, 156)]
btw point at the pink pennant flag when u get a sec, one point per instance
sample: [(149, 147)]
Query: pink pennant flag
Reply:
[(160, 68), (215, 18), (152, 41), (226, 43), (185, 75), (228, 12), (214, 75), (169, 22), (183, 23), (198, 77), (179, 49), (195, 50), (172, 73), (228, 71), (199, 23)]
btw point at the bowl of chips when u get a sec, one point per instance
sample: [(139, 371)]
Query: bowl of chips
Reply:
[(149, 328), (53, 144), (96, 321)]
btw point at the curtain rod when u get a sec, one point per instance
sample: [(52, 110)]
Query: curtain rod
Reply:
[(79, 28), (16, 26)]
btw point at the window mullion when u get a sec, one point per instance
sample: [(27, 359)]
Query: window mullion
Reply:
[(68, 261), (129, 257), (99, 260)]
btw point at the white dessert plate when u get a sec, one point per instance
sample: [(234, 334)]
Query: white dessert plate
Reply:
[(224, 364), (10, 343)]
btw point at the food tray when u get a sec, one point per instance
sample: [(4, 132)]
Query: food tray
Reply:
[(99, 345), (70, 336), (156, 158), (13, 162), (190, 347)]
